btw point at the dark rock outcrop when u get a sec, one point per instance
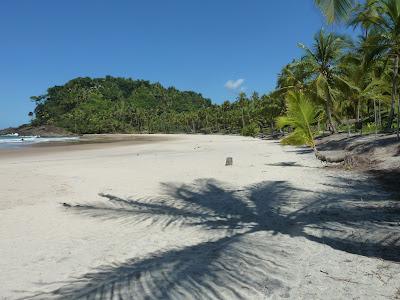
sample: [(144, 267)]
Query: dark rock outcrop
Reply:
[(43, 131)]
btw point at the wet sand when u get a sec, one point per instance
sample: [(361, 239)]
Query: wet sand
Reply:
[(85, 142)]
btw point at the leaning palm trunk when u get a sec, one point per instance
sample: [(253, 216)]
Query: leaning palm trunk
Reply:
[(324, 158)]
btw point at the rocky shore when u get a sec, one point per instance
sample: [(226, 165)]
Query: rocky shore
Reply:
[(43, 131)]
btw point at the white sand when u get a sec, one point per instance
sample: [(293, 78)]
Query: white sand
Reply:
[(175, 223)]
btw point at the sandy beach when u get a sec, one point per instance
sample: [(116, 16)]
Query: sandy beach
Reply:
[(164, 218)]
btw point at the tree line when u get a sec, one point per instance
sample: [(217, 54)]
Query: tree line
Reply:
[(339, 81), (123, 105), (350, 83)]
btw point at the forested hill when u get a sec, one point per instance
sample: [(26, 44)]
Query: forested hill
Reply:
[(110, 104)]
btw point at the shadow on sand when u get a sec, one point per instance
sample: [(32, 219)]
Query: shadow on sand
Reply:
[(363, 144), (289, 164), (246, 260)]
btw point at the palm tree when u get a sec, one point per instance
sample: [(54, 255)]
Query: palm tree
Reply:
[(365, 83), (384, 41), (292, 77), (242, 101), (322, 61), (365, 15), (335, 10), (302, 115)]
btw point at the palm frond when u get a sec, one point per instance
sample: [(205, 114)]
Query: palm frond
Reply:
[(335, 10), (301, 115)]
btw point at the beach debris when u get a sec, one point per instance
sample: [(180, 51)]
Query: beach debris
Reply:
[(339, 278), (71, 206), (229, 161)]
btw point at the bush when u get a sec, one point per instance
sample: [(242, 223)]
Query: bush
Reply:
[(251, 130)]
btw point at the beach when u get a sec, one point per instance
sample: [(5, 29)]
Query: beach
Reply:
[(162, 217)]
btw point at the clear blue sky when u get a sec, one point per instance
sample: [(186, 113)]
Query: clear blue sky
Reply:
[(190, 44)]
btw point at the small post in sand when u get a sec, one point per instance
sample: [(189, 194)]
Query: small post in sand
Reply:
[(229, 161)]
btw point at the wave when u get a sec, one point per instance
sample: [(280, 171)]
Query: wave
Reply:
[(26, 140)]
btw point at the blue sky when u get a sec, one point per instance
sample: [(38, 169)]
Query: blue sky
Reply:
[(209, 46)]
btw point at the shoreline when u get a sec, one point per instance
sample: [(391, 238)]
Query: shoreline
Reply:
[(85, 142)]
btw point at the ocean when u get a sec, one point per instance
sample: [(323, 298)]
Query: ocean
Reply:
[(15, 141)]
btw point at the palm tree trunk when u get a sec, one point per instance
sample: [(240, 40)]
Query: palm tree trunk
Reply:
[(398, 118), (361, 122), (379, 114), (376, 118), (194, 126), (330, 120), (394, 92)]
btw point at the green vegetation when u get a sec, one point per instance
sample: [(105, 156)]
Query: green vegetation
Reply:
[(335, 10), (353, 85), (302, 116), (108, 105)]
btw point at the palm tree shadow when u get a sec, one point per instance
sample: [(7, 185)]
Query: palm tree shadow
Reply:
[(246, 262), (288, 164)]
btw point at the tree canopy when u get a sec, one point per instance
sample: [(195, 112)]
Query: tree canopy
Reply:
[(108, 105)]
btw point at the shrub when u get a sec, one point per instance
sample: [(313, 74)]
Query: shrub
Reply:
[(251, 130)]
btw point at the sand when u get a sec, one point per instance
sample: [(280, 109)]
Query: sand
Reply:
[(167, 219)]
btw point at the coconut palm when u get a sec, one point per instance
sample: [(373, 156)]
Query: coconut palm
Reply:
[(302, 115), (384, 41), (322, 62), (243, 103), (365, 15), (365, 83), (292, 77)]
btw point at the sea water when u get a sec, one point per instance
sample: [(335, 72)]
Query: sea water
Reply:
[(15, 141)]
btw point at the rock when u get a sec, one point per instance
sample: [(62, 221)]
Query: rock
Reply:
[(43, 131), (229, 161)]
